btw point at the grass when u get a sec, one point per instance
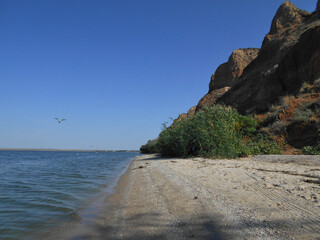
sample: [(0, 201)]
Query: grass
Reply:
[(285, 101), (303, 114), (300, 109)]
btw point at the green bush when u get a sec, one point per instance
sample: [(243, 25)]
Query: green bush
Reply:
[(218, 132), (247, 125), (312, 150), (261, 144), (150, 147)]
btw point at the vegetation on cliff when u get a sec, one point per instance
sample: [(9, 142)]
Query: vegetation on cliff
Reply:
[(279, 84), (218, 131), (295, 120)]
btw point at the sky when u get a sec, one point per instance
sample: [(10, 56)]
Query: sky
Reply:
[(115, 69)]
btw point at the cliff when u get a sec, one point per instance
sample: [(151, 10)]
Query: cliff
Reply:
[(225, 76), (278, 84), (253, 80), (228, 73), (289, 56)]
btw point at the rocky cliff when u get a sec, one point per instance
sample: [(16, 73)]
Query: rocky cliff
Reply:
[(190, 113), (211, 97), (280, 82), (252, 79), (225, 76), (228, 73), (289, 56)]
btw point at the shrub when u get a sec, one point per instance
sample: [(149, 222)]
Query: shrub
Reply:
[(262, 144), (247, 125), (278, 127), (312, 150), (285, 101), (150, 147), (303, 114), (305, 87), (217, 131)]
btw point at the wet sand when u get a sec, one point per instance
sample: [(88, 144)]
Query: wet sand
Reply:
[(263, 197)]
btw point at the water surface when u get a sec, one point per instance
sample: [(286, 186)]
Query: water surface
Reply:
[(39, 190)]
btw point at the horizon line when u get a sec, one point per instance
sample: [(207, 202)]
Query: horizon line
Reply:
[(65, 150)]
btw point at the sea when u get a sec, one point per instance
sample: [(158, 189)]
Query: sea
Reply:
[(40, 190)]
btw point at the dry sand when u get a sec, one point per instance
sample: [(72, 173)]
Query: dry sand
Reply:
[(262, 197)]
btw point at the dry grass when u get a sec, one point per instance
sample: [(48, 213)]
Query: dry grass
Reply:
[(303, 107)]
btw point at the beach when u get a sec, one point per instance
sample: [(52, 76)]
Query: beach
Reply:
[(261, 197)]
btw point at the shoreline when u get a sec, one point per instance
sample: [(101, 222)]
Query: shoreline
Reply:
[(260, 197), (87, 219)]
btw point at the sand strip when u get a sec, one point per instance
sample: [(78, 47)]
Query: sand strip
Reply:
[(252, 198)]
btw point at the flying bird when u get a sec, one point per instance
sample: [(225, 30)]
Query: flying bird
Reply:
[(63, 119)]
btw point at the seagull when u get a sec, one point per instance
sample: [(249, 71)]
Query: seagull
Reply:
[(63, 119)]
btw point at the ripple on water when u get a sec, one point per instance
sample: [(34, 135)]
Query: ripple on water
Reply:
[(41, 189)]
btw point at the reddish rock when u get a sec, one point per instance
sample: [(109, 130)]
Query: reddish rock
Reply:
[(211, 98), (228, 73), (182, 116), (287, 16), (288, 57), (191, 111), (286, 27)]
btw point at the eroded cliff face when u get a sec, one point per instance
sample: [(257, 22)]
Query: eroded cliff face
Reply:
[(288, 57), (254, 79), (284, 73), (191, 112), (228, 73), (211, 97)]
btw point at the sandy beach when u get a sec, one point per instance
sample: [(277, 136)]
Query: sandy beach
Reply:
[(262, 197)]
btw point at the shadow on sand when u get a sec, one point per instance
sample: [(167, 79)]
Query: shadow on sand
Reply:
[(152, 225)]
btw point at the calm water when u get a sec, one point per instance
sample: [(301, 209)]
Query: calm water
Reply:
[(39, 190)]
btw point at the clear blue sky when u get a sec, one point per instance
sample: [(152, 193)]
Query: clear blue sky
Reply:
[(115, 69)]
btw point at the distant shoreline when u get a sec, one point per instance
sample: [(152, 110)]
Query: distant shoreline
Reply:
[(62, 150)]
